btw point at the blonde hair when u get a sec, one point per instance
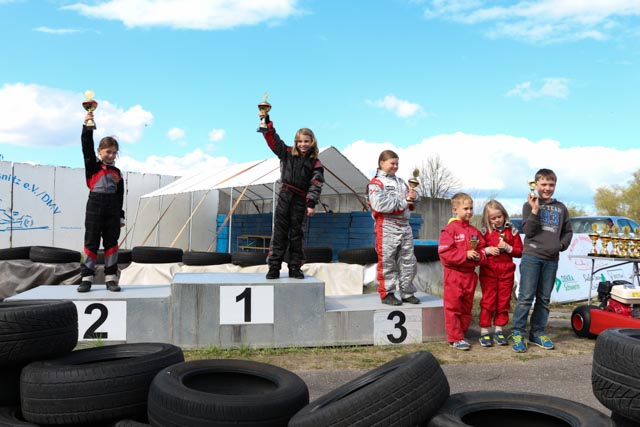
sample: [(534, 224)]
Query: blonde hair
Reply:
[(313, 150), (460, 198), (493, 204), (386, 155)]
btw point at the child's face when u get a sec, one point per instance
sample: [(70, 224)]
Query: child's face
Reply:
[(464, 211), (108, 154), (389, 166), (496, 218), (303, 143), (545, 187)]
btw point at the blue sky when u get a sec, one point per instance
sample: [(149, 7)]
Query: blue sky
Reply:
[(497, 89)]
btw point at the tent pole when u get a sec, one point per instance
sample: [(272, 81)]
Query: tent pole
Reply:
[(230, 221), (235, 205), (157, 222), (188, 221)]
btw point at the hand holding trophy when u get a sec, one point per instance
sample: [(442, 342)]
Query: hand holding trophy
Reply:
[(413, 184), (264, 107), (90, 105)]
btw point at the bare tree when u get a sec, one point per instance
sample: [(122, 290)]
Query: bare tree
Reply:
[(436, 180)]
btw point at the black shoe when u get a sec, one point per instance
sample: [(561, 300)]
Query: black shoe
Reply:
[(274, 273), (85, 286), (411, 299), (296, 273), (113, 286), (390, 299)]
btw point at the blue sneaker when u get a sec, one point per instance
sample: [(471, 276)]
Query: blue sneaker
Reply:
[(460, 345), (519, 345), (542, 341), (500, 339), (485, 340)]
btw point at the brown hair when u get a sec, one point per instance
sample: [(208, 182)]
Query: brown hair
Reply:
[(546, 173), (109, 142), (493, 204), (313, 150), (460, 198), (386, 155)]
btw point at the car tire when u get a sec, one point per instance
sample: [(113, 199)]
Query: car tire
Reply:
[(20, 252), (406, 391), (10, 416), (426, 253), (581, 321), (249, 258), (48, 254), (36, 330), (155, 255), (205, 258), (361, 256), (225, 392), (94, 385), (620, 421), (615, 372), (500, 408), (124, 256)]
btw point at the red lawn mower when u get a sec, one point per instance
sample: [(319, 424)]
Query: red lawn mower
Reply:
[(619, 308)]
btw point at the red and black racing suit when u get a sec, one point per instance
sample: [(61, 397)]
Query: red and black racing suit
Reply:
[(104, 211), (301, 183)]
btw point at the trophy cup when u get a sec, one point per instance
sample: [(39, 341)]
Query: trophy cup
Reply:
[(605, 239), (636, 243), (594, 236), (90, 105), (264, 107), (413, 184), (625, 240), (615, 242), (473, 242), (532, 189)]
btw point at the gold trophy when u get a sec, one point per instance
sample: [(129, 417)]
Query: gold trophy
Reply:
[(264, 107), (615, 241), (625, 241), (413, 184), (473, 242), (605, 239), (636, 243), (594, 236), (532, 189), (90, 105)]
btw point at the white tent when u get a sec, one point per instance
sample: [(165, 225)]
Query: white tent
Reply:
[(258, 180), (341, 177)]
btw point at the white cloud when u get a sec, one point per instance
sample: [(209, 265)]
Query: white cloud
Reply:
[(173, 165), (58, 31), (216, 135), (551, 87), (541, 21), (175, 134), (34, 115), (501, 165), (190, 14), (397, 106)]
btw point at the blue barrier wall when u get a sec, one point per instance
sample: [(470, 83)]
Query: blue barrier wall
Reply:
[(334, 230)]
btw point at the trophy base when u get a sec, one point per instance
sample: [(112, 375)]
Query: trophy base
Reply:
[(90, 125)]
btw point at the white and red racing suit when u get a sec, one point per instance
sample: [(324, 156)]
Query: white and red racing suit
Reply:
[(387, 196), (460, 277)]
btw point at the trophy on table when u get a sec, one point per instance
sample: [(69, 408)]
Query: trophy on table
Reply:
[(615, 241), (90, 105), (264, 107), (594, 236), (605, 239), (636, 243), (532, 189), (413, 184), (625, 241)]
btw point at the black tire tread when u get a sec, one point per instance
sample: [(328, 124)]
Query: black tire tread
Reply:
[(48, 254), (155, 255), (361, 256), (205, 258)]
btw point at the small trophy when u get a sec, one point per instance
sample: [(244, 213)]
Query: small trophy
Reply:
[(90, 105), (605, 238), (594, 236), (473, 242), (413, 184), (264, 107), (532, 189)]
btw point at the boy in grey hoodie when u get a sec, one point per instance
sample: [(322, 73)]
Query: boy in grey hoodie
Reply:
[(547, 232)]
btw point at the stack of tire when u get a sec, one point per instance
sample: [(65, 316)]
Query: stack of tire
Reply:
[(44, 382), (364, 256), (615, 375)]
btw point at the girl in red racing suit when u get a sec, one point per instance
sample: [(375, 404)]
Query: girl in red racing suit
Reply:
[(497, 275)]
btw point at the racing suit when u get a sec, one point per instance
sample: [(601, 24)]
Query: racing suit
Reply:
[(460, 277), (497, 277), (387, 196), (301, 184), (104, 211)]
